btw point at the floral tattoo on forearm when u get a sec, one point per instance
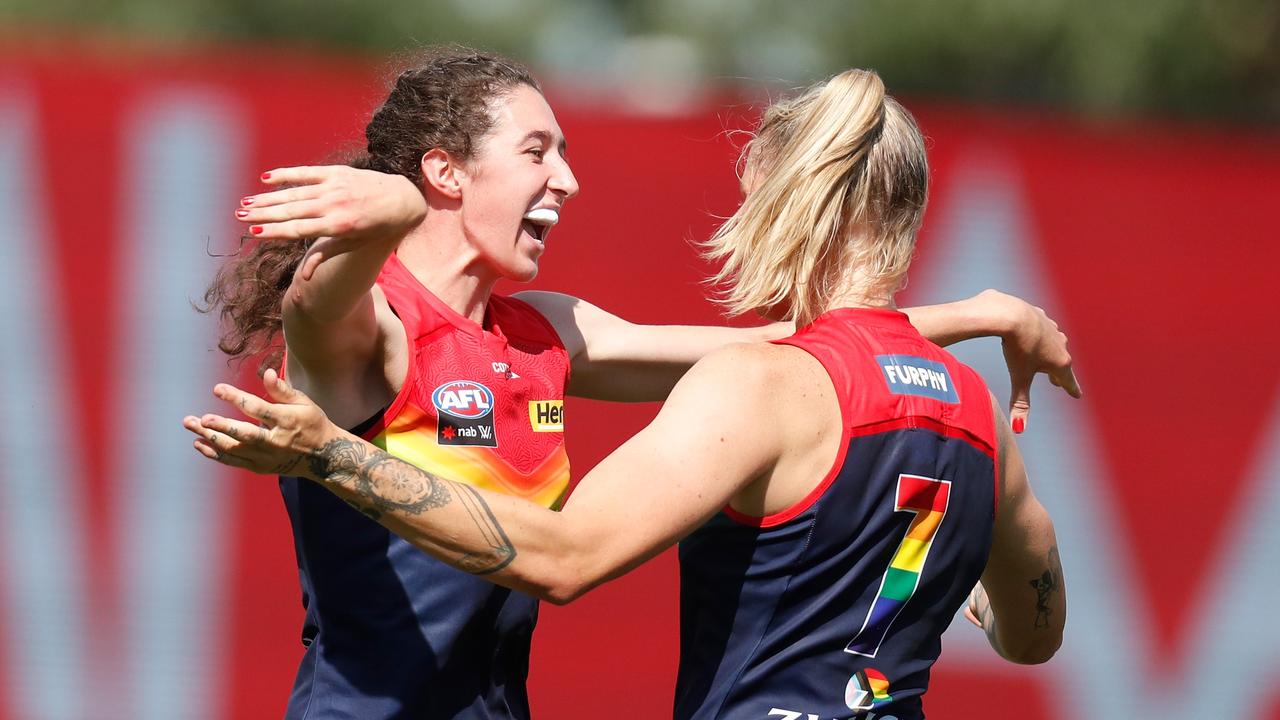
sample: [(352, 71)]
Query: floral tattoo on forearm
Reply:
[(379, 484)]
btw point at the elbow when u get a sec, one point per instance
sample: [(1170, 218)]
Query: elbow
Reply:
[(561, 580), (1033, 658), (300, 303), (563, 593), (1035, 653)]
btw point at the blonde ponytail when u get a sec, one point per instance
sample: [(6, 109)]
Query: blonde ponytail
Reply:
[(840, 183)]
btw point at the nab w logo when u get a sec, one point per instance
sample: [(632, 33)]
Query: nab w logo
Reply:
[(463, 399)]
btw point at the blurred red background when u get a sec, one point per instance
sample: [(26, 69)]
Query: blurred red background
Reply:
[(1155, 246)]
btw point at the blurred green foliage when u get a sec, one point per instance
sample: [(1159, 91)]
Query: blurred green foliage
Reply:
[(1185, 58)]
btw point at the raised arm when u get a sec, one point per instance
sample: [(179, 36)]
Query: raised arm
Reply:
[(705, 445), (1021, 601), (334, 327), (359, 216)]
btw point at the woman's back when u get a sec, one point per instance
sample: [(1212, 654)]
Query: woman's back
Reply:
[(835, 604)]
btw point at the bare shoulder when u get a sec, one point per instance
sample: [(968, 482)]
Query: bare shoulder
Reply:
[(769, 376), (745, 363), (558, 307), (781, 366), (787, 405), (730, 396), (547, 301), (566, 313)]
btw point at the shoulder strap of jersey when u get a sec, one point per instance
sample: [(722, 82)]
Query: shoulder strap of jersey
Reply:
[(409, 300)]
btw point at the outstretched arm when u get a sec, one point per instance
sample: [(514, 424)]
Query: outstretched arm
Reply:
[(621, 361), (617, 360), (1021, 601), (554, 555)]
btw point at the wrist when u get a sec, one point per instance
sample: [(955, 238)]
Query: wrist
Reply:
[(1004, 313), (334, 457)]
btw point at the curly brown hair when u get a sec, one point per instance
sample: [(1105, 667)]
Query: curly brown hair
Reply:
[(443, 100)]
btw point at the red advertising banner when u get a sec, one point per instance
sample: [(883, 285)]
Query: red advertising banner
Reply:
[(138, 581)]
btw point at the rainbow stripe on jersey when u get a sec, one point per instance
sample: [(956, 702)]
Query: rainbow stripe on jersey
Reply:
[(927, 499), (411, 436)]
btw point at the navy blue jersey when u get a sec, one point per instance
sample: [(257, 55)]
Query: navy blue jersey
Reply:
[(834, 608), (390, 631)]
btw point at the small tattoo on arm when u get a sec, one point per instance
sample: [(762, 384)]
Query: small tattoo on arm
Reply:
[(1045, 586)]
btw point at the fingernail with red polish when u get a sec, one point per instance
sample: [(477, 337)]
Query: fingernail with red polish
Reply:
[(255, 229), (242, 214), (246, 201), (1019, 425), (266, 176)]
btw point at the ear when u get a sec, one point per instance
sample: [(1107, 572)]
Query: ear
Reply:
[(440, 173)]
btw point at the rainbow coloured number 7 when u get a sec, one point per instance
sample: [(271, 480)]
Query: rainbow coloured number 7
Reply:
[(927, 499)]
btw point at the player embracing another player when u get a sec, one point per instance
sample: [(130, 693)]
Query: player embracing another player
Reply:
[(847, 489)]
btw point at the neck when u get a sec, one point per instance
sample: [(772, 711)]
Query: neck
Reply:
[(873, 302), (439, 257), (860, 293)]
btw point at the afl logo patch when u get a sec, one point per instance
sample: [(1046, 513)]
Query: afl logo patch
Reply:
[(465, 413), (463, 399)]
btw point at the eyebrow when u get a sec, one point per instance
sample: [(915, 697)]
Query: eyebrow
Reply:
[(545, 137)]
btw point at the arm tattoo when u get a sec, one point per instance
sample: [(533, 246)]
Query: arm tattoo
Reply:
[(393, 485), (386, 484), (1045, 586), (499, 551)]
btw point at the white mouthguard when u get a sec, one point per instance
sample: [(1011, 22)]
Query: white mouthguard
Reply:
[(543, 216)]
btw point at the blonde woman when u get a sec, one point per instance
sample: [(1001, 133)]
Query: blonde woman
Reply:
[(836, 494)]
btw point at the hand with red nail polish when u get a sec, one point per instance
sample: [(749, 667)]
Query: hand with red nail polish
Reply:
[(1032, 344), (346, 208)]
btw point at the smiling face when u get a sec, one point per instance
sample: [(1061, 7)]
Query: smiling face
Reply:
[(516, 184)]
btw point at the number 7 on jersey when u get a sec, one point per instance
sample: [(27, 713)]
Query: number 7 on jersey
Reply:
[(926, 498)]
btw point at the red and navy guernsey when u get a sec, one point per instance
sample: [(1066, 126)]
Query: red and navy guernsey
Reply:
[(390, 631), (834, 608)]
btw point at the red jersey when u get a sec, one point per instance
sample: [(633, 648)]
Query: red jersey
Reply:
[(479, 405)]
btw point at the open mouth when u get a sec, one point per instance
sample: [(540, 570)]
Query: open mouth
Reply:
[(538, 223)]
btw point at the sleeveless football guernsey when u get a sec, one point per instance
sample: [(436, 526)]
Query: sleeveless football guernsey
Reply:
[(391, 632), (833, 608)]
